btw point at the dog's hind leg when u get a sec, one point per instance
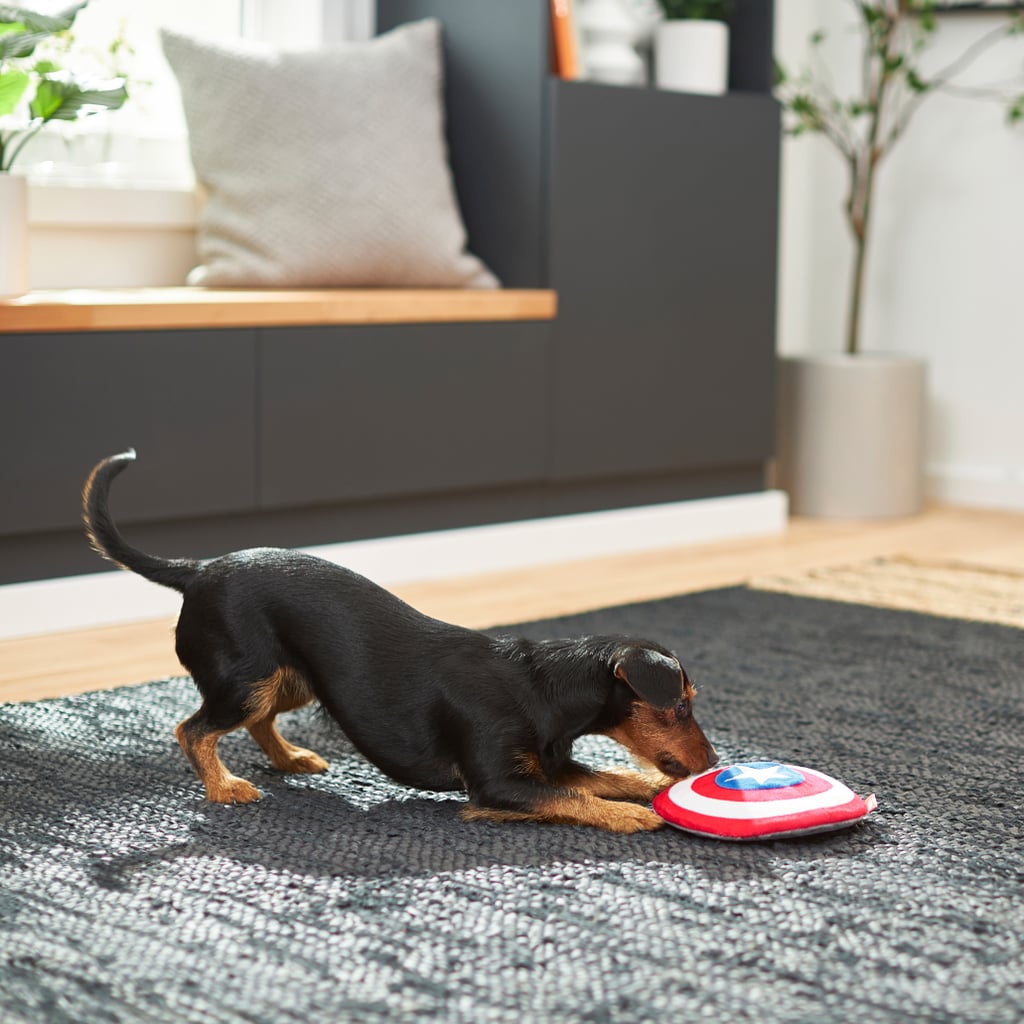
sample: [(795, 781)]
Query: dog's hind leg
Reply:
[(285, 690), (198, 737)]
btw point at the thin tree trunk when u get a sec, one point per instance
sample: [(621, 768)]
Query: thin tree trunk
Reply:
[(859, 220), (861, 191)]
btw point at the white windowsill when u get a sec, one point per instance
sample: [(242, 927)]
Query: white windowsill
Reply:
[(119, 205)]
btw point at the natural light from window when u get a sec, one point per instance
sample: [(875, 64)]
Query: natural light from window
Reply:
[(144, 144)]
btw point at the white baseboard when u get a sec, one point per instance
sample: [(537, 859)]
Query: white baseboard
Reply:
[(115, 598), (998, 487)]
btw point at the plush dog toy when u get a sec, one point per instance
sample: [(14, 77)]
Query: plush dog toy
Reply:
[(761, 800)]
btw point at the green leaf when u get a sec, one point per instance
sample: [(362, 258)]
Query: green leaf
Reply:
[(716, 10), (1016, 110), (22, 29), (915, 82), (13, 84), (37, 21), (47, 100), (62, 97), (17, 41)]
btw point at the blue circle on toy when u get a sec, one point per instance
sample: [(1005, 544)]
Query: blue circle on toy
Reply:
[(758, 775)]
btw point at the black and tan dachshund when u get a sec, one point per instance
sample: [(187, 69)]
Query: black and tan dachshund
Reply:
[(433, 705)]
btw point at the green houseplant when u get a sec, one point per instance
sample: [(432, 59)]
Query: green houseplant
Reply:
[(701, 10), (851, 426), (691, 46), (864, 128), (34, 91), (53, 93)]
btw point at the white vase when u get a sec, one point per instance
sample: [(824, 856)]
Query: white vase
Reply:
[(609, 32), (851, 439), (692, 55), (13, 235)]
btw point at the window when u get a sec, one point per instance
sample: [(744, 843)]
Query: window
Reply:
[(145, 143)]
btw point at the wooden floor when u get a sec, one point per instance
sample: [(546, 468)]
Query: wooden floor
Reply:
[(68, 663)]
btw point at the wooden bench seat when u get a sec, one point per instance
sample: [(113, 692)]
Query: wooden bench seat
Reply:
[(176, 308)]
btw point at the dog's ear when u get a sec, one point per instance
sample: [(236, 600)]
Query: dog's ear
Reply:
[(654, 677)]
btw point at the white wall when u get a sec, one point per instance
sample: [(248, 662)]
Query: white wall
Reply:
[(945, 265)]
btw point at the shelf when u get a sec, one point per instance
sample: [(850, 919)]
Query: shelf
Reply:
[(176, 308)]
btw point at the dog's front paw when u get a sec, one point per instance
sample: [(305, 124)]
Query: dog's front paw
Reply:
[(628, 818)]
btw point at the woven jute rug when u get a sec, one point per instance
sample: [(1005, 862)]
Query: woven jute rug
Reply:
[(938, 588), (125, 897)]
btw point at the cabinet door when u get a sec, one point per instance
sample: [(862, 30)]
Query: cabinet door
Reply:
[(366, 412), (663, 238), (183, 399)]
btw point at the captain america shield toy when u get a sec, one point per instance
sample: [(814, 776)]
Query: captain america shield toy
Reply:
[(761, 800)]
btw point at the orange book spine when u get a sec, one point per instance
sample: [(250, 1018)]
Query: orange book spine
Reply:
[(563, 32)]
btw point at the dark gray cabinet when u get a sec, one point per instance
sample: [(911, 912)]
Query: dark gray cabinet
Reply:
[(372, 412), (663, 243), (184, 399)]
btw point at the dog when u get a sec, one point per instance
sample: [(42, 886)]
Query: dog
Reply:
[(433, 705)]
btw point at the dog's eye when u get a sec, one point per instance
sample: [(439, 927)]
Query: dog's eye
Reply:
[(683, 709)]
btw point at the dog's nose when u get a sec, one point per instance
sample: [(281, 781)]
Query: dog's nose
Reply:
[(712, 755)]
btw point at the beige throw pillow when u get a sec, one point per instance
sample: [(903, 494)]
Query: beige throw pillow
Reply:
[(323, 168)]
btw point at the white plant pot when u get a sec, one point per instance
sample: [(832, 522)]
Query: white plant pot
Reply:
[(851, 435), (691, 55), (13, 235)]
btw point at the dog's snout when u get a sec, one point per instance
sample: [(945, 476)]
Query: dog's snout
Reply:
[(673, 766)]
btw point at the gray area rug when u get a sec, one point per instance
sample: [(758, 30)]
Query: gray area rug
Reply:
[(125, 897)]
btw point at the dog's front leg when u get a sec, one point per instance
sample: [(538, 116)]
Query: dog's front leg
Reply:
[(520, 799), (614, 783)]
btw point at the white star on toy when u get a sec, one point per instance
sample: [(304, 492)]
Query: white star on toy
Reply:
[(760, 775)]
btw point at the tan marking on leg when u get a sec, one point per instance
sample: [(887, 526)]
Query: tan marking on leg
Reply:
[(617, 783), (576, 809), (283, 755), (285, 690), (201, 749)]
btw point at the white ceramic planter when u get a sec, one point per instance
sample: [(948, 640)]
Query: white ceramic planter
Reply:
[(692, 55), (13, 235), (851, 435)]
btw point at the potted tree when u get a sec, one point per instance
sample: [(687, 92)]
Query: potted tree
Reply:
[(33, 92), (691, 46), (851, 425)]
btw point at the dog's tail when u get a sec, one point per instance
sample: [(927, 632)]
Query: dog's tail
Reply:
[(107, 540)]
